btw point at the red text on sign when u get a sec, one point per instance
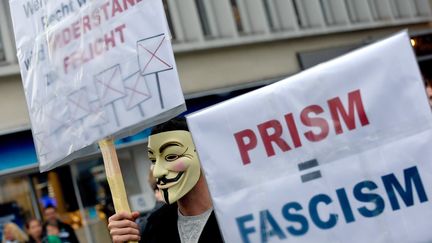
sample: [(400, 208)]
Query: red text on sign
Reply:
[(273, 135)]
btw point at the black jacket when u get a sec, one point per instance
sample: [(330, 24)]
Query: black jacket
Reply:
[(31, 240), (66, 234), (162, 227), (44, 240)]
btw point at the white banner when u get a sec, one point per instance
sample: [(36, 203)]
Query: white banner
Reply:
[(93, 69), (338, 153)]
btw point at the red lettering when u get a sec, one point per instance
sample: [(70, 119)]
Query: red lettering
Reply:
[(273, 134), (66, 64), (96, 18), (86, 24), (243, 146), (76, 30), (116, 8), (104, 7), (119, 29), (354, 104), (71, 61), (99, 46), (275, 137), (289, 119), (66, 35), (109, 39), (94, 49), (314, 122), (126, 3)]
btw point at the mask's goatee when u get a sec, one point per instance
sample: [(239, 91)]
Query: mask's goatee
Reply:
[(165, 195)]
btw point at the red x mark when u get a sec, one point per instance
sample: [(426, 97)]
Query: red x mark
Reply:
[(135, 91), (78, 105), (97, 111), (108, 84), (153, 55)]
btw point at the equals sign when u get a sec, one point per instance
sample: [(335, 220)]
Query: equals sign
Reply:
[(311, 175)]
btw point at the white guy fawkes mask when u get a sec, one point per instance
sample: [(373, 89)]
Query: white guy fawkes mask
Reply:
[(176, 167)]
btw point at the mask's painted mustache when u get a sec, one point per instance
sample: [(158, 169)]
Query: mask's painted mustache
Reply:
[(164, 180)]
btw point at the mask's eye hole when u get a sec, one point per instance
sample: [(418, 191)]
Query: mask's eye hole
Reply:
[(152, 160), (171, 157)]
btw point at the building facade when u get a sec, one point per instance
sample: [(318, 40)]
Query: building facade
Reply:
[(222, 48)]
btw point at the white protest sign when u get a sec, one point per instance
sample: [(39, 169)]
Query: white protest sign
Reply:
[(338, 153), (93, 69)]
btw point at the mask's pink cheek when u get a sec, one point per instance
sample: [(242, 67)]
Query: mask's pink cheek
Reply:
[(179, 166)]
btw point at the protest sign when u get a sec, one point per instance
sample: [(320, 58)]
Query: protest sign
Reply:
[(337, 153), (93, 69)]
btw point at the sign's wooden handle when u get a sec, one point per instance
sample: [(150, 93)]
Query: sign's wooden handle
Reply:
[(114, 176)]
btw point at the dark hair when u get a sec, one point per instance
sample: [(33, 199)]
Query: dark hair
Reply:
[(27, 223), (50, 206), (178, 123), (55, 224)]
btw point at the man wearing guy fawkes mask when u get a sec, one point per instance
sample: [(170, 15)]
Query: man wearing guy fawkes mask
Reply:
[(188, 216)]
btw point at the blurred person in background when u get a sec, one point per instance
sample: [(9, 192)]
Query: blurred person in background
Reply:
[(66, 232), (53, 233), (34, 230), (13, 234)]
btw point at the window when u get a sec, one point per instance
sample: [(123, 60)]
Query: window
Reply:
[(309, 13), (237, 16), (380, 10), (2, 52), (2, 31), (184, 20), (422, 8), (274, 17), (55, 188), (7, 47), (169, 19), (16, 203), (207, 18), (401, 8), (202, 12), (358, 11), (215, 19), (334, 12), (280, 15), (251, 17), (328, 12), (300, 22)]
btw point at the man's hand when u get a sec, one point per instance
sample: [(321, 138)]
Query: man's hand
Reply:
[(123, 228)]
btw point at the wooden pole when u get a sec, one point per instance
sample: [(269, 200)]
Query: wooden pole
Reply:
[(114, 176)]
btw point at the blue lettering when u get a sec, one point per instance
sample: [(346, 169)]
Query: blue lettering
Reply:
[(266, 217), (345, 205), (28, 10), (313, 210), (411, 175), (244, 232), (81, 2), (298, 218), (368, 197), (364, 192)]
